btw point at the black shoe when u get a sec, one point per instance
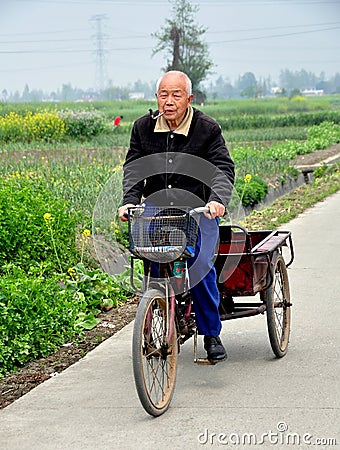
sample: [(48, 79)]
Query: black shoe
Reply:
[(214, 348)]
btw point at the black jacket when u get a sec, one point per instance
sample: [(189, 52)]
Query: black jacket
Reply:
[(174, 169)]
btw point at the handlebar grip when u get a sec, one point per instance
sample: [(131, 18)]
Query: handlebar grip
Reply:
[(199, 210)]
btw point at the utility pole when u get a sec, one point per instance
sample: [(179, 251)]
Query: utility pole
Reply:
[(100, 52)]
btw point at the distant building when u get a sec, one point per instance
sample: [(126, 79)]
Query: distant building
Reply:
[(276, 90), (312, 92), (136, 95), (87, 98)]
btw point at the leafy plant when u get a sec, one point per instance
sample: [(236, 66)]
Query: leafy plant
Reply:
[(82, 123), (249, 121), (36, 316), (252, 189), (35, 226), (100, 290), (325, 170)]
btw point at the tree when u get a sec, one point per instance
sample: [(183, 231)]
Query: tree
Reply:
[(247, 85), (222, 89), (4, 95), (335, 82), (26, 94), (181, 39), (298, 79)]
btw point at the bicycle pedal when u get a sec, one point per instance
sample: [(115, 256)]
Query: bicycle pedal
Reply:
[(204, 362)]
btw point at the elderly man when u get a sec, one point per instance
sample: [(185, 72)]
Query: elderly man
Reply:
[(187, 163)]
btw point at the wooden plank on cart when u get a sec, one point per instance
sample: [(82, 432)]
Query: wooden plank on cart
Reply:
[(271, 244)]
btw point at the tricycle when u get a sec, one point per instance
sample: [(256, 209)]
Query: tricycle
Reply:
[(247, 263)]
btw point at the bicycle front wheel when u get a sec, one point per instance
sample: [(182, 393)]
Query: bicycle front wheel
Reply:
[(154, 353), (277, 299)]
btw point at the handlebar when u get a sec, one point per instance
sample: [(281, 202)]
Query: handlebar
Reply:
[(191, 212)]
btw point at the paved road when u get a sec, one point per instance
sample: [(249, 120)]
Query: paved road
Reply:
[(93, 404)]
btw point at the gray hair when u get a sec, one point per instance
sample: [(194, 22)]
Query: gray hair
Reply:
[(184, 75)]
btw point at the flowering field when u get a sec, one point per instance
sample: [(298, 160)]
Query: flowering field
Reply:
[(54, 165)]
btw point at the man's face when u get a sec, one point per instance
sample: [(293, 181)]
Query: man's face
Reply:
[(173, 99)]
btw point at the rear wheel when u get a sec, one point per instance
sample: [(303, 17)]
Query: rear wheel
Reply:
[(277, 299), (154, 354)]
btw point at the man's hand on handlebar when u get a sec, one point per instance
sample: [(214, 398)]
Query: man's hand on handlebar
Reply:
[(216, 209), (123, 212)]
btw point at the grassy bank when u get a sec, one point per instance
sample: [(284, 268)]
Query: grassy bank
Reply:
[(286, 208)]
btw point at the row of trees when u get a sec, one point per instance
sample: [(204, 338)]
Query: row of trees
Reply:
[(247, 85), (289, 84), (181, 40)]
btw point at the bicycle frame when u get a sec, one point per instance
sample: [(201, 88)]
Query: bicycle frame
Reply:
[(172, 303)]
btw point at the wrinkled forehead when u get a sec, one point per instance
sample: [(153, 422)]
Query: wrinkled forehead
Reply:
[(164, 90), (172, 84)]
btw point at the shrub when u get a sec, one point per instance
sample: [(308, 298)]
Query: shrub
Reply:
[(98, 288), (36, 317), (82, 123), (12, 128), (251, 190), (300, 103), (26, 237), (41, 126), (39, 312), (44, 126)]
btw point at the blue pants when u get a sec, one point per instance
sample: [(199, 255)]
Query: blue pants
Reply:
[(202, 278)]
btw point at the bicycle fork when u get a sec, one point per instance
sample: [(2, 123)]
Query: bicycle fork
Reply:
[(170, 311)]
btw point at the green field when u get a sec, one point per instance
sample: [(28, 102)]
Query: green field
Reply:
[(56, 162)]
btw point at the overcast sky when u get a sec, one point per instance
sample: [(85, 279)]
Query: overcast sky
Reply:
[(47, 43)]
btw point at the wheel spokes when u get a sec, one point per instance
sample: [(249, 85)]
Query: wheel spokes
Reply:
[(279, 305), (158, 378), (157, 365)]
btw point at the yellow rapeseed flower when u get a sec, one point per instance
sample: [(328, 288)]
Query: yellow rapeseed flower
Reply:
[(247, 178), (47, 217), (86, 233), (72, 272)]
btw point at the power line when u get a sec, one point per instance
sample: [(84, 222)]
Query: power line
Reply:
[(143, 36), (240, 30), (273, 36), (59, 66), (101, 51), (72, 40), (45, 40), (89, 63), (68, 50), (43, 32)]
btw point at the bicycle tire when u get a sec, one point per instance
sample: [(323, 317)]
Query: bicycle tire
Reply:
[(278, 311), (154, 357)]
